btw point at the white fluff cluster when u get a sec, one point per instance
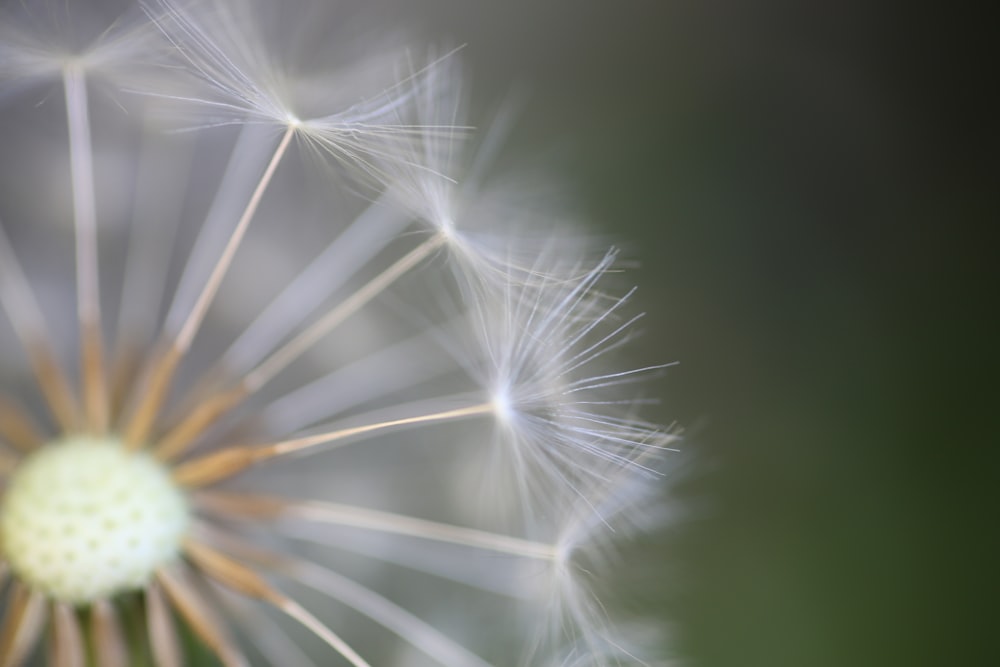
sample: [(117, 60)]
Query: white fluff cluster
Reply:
[(444, 445)]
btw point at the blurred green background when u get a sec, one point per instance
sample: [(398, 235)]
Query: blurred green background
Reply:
[(807, 186)]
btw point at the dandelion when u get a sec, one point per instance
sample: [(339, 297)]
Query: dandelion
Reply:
[(286, 377)]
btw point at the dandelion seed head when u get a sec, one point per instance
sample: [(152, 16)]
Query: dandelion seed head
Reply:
[(36, 46), (83, 519), (541, 348), (310, 351), (624, 498)]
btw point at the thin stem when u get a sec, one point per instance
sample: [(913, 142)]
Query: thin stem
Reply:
[(229, 504), (162, 375), (17, 427), (242, 579), (67, 637), (106, 635), (352, 249), (156, 222), (231, 461), (270, 637), (365, 601), (408, 626), (19, 302), (309, 442), (382, 373), (297, 612), (398, 524), (23, 622), (194, 320), (182, 437), (163, 640), (200, 617), (291, 350), (81, 154), (17, 298)]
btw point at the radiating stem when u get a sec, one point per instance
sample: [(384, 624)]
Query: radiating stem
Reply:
[(81, 159), (54, 385), (106, 635), (291, 350), (365, 601), (68, 637), (246, 581), (17, 427), (163, 640), (23, 621), (233, 460), (19, 302), (191, 325), (141, 424), (352, 249), (229, 504), (179, 439), (408, 626), (200, 617), (309, 442)]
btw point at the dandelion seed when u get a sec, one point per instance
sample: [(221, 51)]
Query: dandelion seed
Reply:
[(243, 403)]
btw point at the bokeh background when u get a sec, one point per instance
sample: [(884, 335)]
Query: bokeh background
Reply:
[(809, 189)]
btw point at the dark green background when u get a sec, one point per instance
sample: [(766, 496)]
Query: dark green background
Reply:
[(809, 188)]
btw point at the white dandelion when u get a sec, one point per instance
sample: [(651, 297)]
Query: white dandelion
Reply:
[(295, 383)]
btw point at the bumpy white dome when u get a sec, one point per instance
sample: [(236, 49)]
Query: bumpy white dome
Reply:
[(84, 519)]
